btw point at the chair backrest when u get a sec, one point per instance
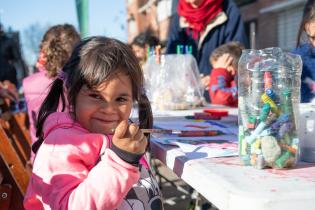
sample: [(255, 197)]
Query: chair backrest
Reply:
[(16, 127), (5, 194), (15, 150), (13, 171)]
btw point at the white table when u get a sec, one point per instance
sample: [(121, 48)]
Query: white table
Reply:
[(229, 185)]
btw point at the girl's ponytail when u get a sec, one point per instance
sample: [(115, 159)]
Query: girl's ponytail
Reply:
[(50, 105), (145, 115), (145, 112)]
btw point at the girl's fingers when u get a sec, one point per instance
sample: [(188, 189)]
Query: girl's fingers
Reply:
[(141, 144), (133, 130), (140, 141), (138, 136), (121, 129), (130, 138)]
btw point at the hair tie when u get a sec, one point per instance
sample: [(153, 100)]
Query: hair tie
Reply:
[(61, 75)]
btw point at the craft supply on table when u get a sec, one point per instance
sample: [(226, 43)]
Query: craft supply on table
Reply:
[(184, 133), (217, 112), (269, 90), (206, 116)]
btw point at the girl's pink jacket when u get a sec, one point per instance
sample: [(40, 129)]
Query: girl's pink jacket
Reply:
[(68, 172), (35, 88)]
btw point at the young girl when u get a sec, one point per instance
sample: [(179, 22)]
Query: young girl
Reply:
[(80, 163)]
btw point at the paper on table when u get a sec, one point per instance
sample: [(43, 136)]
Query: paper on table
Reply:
[(172, 140), (196, 147), (200, 151), (184, 124)]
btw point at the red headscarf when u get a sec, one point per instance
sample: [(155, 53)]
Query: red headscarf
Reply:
[(198, 18)]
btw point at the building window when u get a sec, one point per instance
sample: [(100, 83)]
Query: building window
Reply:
[(288, 26)]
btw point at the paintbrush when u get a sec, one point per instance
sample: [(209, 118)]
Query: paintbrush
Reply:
[(183, 133)]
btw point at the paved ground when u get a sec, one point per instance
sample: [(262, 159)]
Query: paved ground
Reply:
[(174, 197)]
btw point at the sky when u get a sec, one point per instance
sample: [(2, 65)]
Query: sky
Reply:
[(106, 17)]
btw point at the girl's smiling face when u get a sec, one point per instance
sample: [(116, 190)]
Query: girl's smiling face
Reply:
[(101, 109)]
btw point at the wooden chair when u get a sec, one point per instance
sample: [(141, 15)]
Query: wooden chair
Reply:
[(15, 175), (15, 151), (5, 194), (15, 126)]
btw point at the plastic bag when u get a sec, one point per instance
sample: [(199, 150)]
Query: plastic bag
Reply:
[(173, 82)]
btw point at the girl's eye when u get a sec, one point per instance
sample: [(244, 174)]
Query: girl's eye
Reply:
[(121, 99), (95, 96)]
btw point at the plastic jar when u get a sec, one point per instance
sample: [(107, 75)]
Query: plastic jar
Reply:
[(269, 95)]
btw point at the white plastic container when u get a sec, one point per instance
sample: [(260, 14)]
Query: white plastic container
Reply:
[(307, 132)]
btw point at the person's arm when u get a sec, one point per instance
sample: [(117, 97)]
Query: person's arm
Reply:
[(71, 179), (8, 91), (220, 90)]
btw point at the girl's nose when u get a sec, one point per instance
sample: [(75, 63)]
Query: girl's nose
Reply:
[(108, 107)]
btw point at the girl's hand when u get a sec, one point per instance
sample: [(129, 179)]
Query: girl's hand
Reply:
[(129, 138)]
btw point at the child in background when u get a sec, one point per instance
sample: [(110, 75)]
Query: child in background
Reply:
[(90, 157), (55, 49), (223, 77), (141, 45)]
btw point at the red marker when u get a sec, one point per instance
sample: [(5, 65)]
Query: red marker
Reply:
[(268, 80), (199, 133), (217, 112), (205, 116)]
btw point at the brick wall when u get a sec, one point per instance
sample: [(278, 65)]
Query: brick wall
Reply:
[(266, 22)]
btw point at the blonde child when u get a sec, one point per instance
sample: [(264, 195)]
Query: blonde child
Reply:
[(223, 82), (91, 157)]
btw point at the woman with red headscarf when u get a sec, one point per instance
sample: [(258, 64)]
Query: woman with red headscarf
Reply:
[(205, 25)]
